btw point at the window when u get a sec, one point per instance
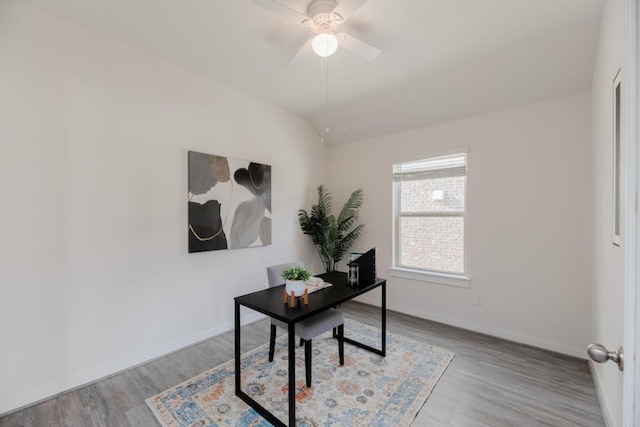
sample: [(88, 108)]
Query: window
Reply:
[(429, 217)]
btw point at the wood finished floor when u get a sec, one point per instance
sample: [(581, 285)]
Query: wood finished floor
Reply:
[(491, 382)]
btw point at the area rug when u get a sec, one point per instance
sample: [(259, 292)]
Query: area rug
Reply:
[(368, 390)]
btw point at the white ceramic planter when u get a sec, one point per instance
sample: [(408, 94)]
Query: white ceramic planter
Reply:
[(297, 286)]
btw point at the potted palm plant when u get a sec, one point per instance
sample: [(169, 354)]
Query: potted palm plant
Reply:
[(332, 236), (295, 278)]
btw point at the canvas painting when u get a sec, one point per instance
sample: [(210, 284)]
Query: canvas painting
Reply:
[(229, 203)]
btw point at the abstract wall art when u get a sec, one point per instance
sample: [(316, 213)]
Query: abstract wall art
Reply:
[(229, 203)]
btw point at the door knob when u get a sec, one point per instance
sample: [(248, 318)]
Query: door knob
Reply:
[(599, 353)]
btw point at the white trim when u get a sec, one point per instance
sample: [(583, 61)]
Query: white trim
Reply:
[(618, 156), (458, 280), (50, 390), (631, 374), (597, 382), (441, 214), (558, 347)]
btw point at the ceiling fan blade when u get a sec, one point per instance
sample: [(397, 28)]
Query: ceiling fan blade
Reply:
[(358, 47), (281, 9), (306, 46), (346, 8)]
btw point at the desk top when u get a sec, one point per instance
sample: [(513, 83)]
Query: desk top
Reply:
[(270, 301)]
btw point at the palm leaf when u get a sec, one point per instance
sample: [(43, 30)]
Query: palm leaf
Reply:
[(311, 227), (325, 202), (347, 241), (349, 213)]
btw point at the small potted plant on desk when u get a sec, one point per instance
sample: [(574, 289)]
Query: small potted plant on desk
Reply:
[(295, 278)]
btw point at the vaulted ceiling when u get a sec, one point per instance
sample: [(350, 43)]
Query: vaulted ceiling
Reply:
[(440, 60)]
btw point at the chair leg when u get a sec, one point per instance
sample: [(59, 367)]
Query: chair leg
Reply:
[(272, 342), (301, 342), (341, 343), (307, 362)]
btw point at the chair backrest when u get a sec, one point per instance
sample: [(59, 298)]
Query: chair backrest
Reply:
[(274, 273)]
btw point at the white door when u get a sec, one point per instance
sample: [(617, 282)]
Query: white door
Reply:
[(631, 404), (619, 390), (631, 375)]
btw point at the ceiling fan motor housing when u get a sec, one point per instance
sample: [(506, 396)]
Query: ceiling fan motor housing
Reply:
[(322, 18)]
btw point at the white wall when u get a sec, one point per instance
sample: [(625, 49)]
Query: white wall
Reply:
[(529, 220), (608, 300), (94, 271)]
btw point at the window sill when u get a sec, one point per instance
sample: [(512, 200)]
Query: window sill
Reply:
[(430, 276)]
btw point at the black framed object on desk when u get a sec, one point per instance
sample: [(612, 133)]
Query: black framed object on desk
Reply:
[(362, 270)]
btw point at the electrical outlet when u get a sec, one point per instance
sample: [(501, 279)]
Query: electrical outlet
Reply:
[(479, 299)]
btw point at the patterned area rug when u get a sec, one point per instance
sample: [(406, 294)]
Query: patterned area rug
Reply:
[(368, 390)]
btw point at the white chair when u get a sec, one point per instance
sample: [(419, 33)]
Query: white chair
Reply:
[(308, 328)]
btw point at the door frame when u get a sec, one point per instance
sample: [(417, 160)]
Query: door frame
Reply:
[(631, 375)]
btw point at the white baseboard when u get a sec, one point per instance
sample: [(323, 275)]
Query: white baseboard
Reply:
[(600, 393), (51, 390), (483, 329)]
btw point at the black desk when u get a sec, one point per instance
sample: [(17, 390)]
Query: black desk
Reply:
[(270, 302)]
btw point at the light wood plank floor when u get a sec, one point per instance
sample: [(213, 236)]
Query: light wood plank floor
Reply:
[(491, 382)]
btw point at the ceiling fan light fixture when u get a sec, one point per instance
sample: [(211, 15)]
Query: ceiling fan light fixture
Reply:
[(325, 44)]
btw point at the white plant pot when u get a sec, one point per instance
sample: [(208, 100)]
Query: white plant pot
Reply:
[(297, 286)]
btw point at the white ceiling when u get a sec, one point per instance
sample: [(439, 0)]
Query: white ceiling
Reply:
[(440, 60)]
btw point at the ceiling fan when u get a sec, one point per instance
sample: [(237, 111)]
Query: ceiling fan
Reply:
[(323, 18)]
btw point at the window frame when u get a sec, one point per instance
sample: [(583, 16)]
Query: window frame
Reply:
[(413, 273)]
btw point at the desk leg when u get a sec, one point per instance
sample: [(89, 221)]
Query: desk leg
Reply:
[(292, 374), (384, 319), (237, 347), (382, 351)]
